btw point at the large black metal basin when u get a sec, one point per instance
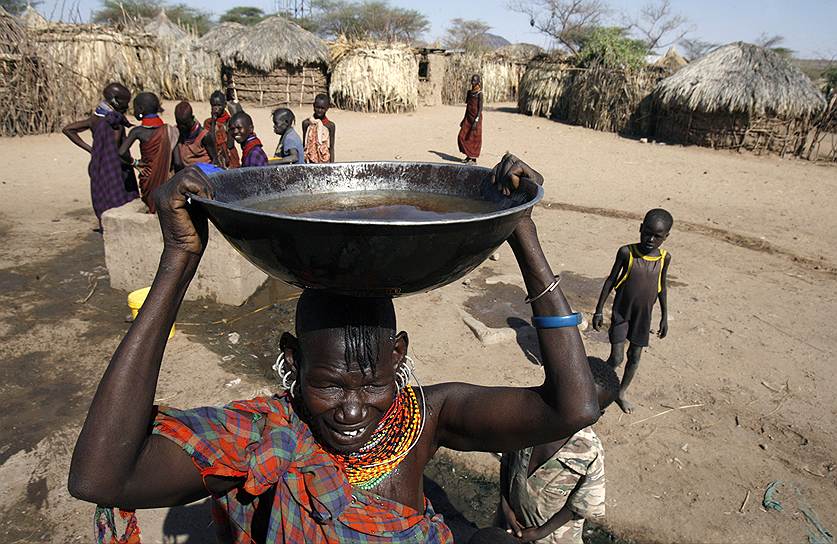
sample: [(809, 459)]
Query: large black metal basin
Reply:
[(363, 257)]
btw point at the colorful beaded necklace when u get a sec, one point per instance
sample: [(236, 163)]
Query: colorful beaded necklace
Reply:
[(396, 434)]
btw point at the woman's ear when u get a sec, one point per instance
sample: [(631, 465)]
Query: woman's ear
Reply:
[(289, 346), (399, 348)]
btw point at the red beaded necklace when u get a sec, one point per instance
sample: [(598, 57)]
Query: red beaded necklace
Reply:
[(396, 434)]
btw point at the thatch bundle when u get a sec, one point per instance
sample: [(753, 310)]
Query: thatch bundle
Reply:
[(738, 96), (374, 77), (501, 71), (187, 71), (275, 62), (29, 103), (12, 35), (595, 96), (671, 61)]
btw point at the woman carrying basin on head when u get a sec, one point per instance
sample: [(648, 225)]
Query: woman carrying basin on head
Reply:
[(339, 456)]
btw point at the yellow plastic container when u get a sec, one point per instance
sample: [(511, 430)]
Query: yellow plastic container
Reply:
[(135, 300)]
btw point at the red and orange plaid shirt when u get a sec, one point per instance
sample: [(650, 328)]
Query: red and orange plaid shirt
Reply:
[(293, 490)]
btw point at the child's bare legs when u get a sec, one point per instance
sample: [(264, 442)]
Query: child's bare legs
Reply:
[(634, 354), (617, 354)]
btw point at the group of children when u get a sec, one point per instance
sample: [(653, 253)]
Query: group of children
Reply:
[(164, 149), (547, 491)]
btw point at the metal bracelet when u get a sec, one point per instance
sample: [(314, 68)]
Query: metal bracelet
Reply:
[(551, 287)]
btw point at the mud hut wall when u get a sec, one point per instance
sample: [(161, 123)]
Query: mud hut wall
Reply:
[(430, 86), (282, 86), (726, 130)]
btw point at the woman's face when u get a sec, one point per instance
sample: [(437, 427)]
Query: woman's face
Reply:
[(345, 404)]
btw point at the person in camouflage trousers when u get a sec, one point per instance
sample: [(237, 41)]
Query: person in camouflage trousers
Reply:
[(547, 491)]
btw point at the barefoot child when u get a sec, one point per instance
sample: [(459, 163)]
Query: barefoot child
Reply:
[(290, 149), (547, 491), (639, 277), (252, 154), (157, 141), (218, 126), (195, 143), (470, 129), (112, 181), (318, 133)]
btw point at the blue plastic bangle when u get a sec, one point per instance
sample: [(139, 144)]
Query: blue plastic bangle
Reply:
[(557, 321)]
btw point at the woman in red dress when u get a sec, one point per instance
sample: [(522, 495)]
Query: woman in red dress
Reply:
[(470, 131)]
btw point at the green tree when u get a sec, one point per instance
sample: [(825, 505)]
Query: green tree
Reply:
[(246, 15), (830, 77), (16, 7), (373, 19), (610, 46), (470, 35), (568, 22)]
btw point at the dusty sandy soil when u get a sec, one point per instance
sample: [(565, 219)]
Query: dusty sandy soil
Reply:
[(750, 342)]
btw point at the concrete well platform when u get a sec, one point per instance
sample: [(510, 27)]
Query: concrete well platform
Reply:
[(134, 243)]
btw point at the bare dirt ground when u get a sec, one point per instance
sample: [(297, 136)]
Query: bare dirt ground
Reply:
[(748, 356)]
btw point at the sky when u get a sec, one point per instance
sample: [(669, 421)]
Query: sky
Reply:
[(807, 25)]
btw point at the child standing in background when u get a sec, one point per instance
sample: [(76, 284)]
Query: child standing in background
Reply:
[(290, 149), (318, 133), (639, 277)]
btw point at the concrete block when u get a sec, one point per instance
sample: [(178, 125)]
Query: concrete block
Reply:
[(134, 243)]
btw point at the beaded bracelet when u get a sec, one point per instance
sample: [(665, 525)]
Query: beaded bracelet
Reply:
[(557, 321), (551, 287)]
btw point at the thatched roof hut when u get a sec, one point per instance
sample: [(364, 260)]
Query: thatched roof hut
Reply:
[(500, 69), (671, 61), (376, 77), (188, 71), (84, 58), (594, 96), (276, 62), (11, 33), (219, 36), (543, 84), (738, 96), (30, 18)]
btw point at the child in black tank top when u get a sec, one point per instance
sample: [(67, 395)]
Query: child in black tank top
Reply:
[(639, 277)]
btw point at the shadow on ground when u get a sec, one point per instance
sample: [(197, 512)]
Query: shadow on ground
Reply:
[(445, 156)]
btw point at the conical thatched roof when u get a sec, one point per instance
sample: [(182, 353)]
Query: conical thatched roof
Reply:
[(274, 41), (672, 60), (219, 36), (188, 71), (744, 78), (11, 33), (165, 30), (30, 18)]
